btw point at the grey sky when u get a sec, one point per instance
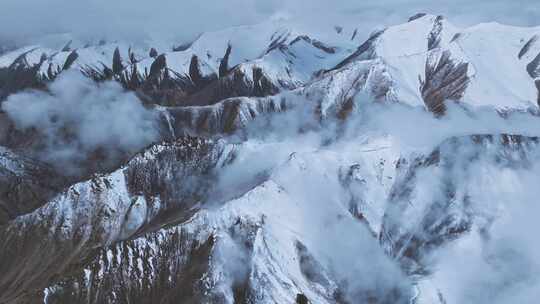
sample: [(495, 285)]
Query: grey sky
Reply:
[(185, 18)]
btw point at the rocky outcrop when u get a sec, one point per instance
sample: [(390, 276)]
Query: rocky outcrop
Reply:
[(445, 79), (225, 117), (528, 46), (365, 51), (224, 64), (533, 68), (19, 75), (416, 16), (25, 185), (434, 38), (71, 58), (117, 65), (153, 53)]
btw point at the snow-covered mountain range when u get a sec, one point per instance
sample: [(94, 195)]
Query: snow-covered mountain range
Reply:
[(264, 164)]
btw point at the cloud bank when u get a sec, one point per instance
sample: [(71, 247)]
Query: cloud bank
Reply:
[(76, 116), (138, 19)]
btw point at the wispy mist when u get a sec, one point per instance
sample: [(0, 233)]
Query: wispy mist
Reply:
[(140, 19), (77, 117), (303, 156), (498, 260)]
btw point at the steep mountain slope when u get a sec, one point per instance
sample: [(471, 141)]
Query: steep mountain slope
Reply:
[(25, 183), (428, 61), (266, 243), (104, 210)]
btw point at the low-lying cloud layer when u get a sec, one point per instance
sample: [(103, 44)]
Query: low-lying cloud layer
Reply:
[(138, 19), (495, 262), (76, 116)]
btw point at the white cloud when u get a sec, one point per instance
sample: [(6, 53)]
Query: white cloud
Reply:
[(77, 116), (136, 19)]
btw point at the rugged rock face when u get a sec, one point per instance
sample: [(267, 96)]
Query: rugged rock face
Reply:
[(155, 188), (225, 117), (445, 80), (533, 68), (24, 185), (19, 75)]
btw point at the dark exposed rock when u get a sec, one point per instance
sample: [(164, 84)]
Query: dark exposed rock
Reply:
[(235, 84), (528, 46), (183, 47), (224, 117), (70, 60), (153, 53), (168, 275), (131, 81), (533, 68), (354, 34), (434, 38), (417, 16), (301, 299), (51, 72), (224, 64), (132, 58), (310, 267), (195, 71), (444, 80), (456, 37), (25, 185), (42, 58), (169, 266), (317, 44), (161, 85), (20, 76), (537, 84), (278, 41), (364, 51), (196, 74), (263, 86), (158, 66), (103, 73), (117, 65)]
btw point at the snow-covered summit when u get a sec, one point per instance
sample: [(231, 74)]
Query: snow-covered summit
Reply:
[(428, 61)]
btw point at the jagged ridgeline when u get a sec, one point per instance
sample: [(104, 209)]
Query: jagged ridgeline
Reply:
[(264, 164), (439, 58)]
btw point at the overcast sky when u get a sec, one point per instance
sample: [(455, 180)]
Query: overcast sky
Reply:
[(186, 18)]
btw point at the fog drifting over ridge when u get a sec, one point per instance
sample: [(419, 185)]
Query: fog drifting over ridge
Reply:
[(77, 116), (183, 20)]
